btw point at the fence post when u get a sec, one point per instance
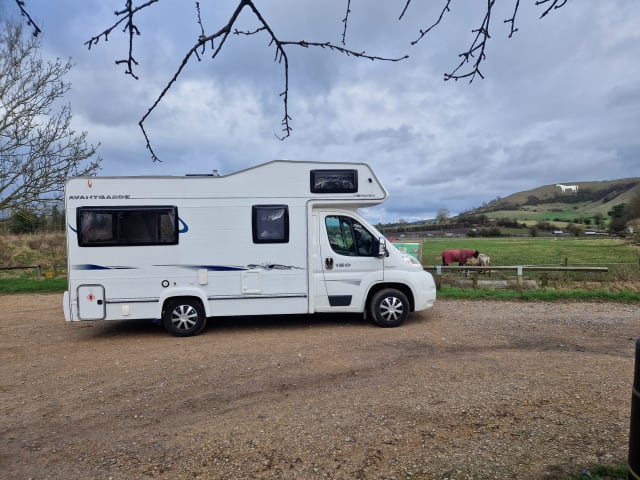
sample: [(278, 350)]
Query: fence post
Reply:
[(519, 281), (544, 281), (634, 429), (438, 277)]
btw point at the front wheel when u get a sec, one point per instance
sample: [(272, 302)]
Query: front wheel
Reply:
[(184, 317), (389, 307)]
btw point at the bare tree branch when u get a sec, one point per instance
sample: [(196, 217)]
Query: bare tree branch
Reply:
[(555, 4), (478, 46), (126, 16), (512, 20), (280, 57), (437, 22), (471, 58), (30, 22), (476, 50), (223, 34), (345, 21), (404, 10)]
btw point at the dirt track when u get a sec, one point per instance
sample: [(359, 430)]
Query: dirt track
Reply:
[(483, 390)]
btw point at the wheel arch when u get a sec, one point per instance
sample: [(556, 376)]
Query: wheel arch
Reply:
[(183, 293), (404, 288)]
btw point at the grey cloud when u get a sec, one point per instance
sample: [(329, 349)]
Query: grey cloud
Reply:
[(389, 138)]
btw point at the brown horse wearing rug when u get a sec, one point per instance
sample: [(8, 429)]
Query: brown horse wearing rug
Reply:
[(460, 256)]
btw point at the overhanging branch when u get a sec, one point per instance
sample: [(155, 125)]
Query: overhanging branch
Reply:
[(280, 57)]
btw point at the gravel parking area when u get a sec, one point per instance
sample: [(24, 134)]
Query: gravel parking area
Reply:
[(467, 390)]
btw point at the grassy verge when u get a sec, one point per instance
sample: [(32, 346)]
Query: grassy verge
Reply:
[(603, 472), (539, 295), (27, 285)]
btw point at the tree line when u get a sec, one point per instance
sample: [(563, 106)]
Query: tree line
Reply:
[(623, 219), (26, 221)]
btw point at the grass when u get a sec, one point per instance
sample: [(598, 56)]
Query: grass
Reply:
[(31, 285), (625, 295), (539, 251), (45, 249), (602, 472), (621, 259)]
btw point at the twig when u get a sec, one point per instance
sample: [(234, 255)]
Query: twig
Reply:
[(30, 22), (555, 4), (512, 20), (404, 10), (126, 15), (345, 21), (424, 32), (478, 47)]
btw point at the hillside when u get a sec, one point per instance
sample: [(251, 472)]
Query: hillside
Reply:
[(591, 198)]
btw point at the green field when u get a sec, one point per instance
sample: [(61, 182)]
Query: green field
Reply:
[(540, 251), (620, 283), (559, 220)]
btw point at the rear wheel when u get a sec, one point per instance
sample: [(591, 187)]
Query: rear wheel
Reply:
[(389, 307), (184, 317)]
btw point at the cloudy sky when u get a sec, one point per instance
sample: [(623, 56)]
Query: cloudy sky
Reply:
[(560, 101)]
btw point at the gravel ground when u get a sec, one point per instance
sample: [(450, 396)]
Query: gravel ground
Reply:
[(469, 389)]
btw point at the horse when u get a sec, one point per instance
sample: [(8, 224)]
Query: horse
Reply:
[(460, 256), (564, 188), (484, 261)]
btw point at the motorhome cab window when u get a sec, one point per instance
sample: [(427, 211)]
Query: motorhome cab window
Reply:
[(348, 237), (270, 223), (334, 181), (116, 226)]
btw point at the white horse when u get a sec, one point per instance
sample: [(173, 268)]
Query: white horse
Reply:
[(564, 188)]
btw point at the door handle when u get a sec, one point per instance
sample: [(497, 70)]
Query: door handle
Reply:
[(328, 263)]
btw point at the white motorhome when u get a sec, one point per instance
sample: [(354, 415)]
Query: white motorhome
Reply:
[(280, 238)]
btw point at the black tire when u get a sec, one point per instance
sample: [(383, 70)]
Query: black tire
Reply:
[(389, 307), (184, 317)]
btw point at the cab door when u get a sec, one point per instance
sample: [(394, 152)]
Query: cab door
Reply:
[(349, 261)]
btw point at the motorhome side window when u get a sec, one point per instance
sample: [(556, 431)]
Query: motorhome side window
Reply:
[(270, 223), (334, 181), (130, 226), (349, 237)]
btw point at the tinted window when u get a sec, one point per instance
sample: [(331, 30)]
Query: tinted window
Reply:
[(334, 181), (270, 223), (119, 226)]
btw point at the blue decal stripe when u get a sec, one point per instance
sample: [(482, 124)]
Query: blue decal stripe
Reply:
[(89, 266), (211, 268)]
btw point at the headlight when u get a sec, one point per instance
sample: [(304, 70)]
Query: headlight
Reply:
[(411, 260)]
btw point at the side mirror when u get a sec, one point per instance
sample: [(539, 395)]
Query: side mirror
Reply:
[(382, 247)]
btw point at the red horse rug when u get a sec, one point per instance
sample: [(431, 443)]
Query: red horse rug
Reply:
[(460, 256)]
